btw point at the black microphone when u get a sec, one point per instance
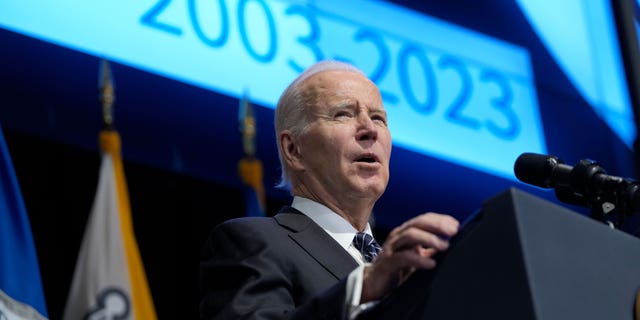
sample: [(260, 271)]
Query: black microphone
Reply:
[(586, 178), (585, 184), (542, 170)]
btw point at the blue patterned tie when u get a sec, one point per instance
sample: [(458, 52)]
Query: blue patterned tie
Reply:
[(366, 245)]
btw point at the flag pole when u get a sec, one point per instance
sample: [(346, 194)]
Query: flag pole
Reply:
[(250, 167), (107, 94), (109, 266)]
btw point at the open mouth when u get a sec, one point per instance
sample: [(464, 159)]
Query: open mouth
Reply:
[(367, 158)]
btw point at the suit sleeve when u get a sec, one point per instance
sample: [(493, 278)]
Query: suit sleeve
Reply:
[(242, 276)]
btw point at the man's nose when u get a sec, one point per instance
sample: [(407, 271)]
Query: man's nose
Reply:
[(367, 129)]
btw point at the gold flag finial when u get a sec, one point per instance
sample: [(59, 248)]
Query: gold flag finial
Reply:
[(247, 123), (107, 94)]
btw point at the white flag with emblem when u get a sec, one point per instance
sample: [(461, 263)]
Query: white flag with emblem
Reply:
[(109, 280)]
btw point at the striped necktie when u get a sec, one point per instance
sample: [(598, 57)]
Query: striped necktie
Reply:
[(366, 245)]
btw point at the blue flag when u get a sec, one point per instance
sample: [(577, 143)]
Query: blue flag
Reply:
[(21, 295)]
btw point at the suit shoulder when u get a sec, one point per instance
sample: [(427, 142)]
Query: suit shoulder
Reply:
[(247, 222), (250, 227)]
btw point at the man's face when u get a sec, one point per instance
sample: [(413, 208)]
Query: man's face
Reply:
[(346, 145)]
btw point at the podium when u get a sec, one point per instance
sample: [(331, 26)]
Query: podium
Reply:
[(523, 257)]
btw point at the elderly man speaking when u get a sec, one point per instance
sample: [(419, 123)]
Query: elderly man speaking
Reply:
[(317, 259)]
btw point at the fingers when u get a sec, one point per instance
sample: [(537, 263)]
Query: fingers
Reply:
[(428, 230), (426, 252), (412, 237), (432, 222), (408, 247), (388, 271), (412, 259)]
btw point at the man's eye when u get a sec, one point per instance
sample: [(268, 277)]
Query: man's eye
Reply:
[(342, 114), (379, 119)]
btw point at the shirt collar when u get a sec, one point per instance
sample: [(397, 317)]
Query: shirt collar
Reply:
[(335, 225)]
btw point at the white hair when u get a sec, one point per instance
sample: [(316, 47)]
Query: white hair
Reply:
[(290, 110)]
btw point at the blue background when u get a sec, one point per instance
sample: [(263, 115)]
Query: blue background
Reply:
[(181, 146)]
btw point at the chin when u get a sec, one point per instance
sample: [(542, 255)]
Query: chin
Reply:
[(372, 189)]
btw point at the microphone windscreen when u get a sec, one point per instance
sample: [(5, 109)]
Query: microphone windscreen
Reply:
[(535, 169)]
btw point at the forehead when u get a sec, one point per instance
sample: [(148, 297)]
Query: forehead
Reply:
[(339, 86)]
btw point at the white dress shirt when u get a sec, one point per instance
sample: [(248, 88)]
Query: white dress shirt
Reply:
[(343, 232)]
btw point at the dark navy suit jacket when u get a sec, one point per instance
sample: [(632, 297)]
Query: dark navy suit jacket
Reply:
[(281, 267)]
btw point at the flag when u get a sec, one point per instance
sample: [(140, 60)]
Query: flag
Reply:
[(21, 295), (109, 280), (250, 170), (250, 167)]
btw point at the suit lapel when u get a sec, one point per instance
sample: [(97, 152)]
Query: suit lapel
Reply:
[(314, 240)]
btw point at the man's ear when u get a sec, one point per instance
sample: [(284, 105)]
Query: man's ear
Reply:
[(290, 149)]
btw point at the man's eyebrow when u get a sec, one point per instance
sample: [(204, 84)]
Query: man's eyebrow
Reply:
[(348, 105), (342, 105)]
